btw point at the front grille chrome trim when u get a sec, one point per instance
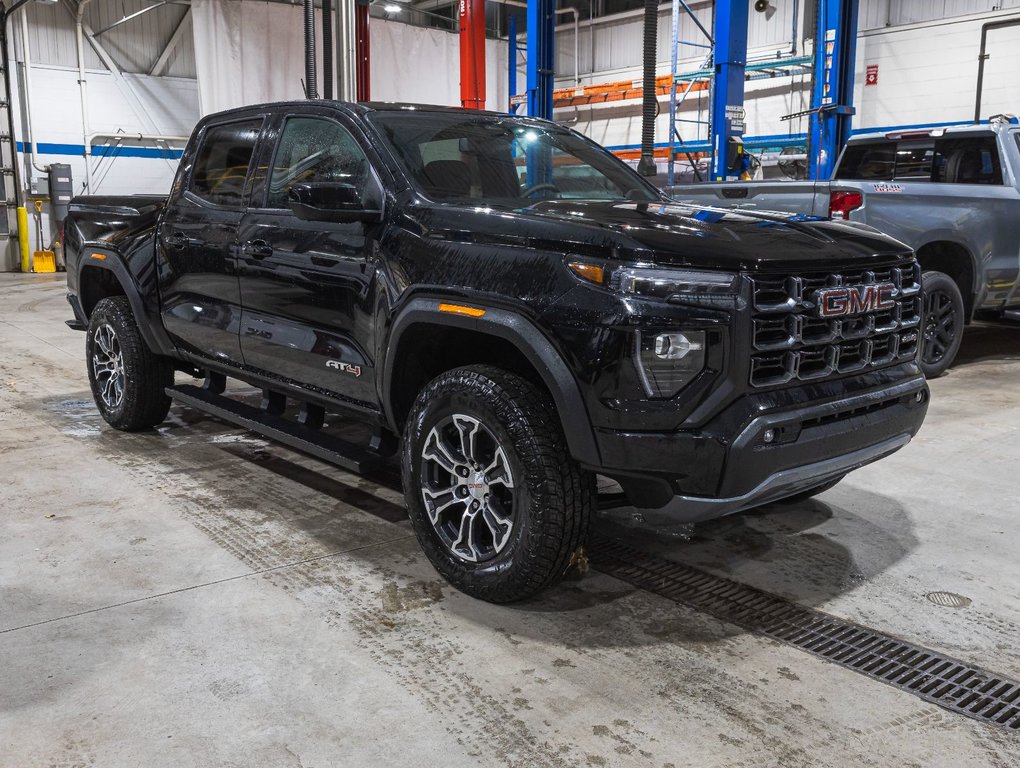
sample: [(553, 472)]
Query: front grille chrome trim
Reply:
[(789, 342)]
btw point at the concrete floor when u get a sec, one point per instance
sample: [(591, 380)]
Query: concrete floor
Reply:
[(197, 596)]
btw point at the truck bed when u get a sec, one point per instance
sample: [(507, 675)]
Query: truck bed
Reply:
[(804, 197)]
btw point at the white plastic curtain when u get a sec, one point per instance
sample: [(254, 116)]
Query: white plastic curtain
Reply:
[(250, 52)]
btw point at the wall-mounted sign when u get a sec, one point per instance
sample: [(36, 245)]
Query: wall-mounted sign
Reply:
[(871, 75)]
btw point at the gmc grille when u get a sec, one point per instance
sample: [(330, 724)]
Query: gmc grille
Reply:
[(791, 343)]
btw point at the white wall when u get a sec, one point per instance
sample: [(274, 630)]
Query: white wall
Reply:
[(171, 104), (407, 63), (927, 72), (926, 51), (423, 66)]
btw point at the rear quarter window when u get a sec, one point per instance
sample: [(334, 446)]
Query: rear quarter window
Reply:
[(967, 160), (223, 160)]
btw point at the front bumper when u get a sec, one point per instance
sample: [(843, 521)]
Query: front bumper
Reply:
[(731, 464)]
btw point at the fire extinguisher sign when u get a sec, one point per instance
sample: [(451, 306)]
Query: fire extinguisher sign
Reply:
[(871, 75)]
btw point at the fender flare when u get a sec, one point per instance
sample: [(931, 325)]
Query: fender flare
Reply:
[(529, 340), (978, 278), (147, 318)]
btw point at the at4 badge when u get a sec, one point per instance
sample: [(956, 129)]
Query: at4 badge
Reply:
[(338, 365)]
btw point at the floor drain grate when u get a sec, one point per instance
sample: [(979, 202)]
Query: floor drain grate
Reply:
[(948, 599), (932, 676)]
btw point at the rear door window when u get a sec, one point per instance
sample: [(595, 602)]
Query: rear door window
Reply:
[(967, 160), (223, 160), (868, 162)]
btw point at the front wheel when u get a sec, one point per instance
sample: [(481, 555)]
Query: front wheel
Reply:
[(495, 499), (128, 380), (941, 323)]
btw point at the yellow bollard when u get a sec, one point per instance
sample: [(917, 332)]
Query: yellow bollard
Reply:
[(26, 264)]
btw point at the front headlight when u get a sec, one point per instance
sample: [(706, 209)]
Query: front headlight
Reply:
[(666, 283), (668, 361), (656, 282)]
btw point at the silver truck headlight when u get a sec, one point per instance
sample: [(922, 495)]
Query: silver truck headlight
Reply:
[(667, 361), (665, 283)]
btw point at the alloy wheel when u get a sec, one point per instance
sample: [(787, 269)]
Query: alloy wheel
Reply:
[(940, 326), (468, 488), (108, 366)]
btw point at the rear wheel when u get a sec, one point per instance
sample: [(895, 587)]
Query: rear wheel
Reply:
[(941, 323), (128, 381), (497, 503)]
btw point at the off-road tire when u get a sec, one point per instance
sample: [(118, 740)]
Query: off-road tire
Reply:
[(144, 402), (554, 499), (942, 303)]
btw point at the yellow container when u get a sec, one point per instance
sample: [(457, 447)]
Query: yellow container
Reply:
[(23, 237), (44, 261)]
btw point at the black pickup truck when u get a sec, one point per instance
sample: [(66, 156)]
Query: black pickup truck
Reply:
[(510, 311)]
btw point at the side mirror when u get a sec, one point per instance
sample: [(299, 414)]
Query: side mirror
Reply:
[(329, 201)]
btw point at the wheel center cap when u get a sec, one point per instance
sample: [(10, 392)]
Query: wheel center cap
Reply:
[(476, 485)]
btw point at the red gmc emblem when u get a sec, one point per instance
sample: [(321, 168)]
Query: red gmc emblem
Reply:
[(855, 300)]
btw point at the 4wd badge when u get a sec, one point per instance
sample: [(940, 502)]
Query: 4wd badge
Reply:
[(855, 300), (337, 365)]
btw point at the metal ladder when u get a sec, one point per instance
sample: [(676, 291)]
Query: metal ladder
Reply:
[(10, 250)]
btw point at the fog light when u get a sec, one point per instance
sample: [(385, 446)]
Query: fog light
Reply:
[(675, 346), (666, 362), (769, 436)]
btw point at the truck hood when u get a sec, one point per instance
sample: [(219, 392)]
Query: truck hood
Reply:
[(674, 234)]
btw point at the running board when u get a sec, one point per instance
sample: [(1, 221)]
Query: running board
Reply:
[(328, 448), (1012, 314)]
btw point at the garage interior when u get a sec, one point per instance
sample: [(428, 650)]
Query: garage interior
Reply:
[(198, 594)]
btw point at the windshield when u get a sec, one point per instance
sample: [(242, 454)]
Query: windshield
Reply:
[(505, 162)]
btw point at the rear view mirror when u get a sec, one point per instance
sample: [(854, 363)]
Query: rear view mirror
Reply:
[(329, 201)]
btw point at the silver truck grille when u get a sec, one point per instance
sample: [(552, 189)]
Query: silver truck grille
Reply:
[(790, 342)]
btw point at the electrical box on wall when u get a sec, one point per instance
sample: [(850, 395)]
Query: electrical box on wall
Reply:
[(61, 188), (39, 186)]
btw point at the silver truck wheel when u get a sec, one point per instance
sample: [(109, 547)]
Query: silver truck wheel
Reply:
[(468, 488), (108, 366), (497, 503), (128, 381)]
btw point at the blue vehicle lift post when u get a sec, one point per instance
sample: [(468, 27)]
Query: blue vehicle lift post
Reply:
[(541, 62), (727, 111), (540, 68), (511, 34), (833, 92)]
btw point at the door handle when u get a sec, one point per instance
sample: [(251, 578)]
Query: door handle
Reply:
[(257, 249), (175, 240)]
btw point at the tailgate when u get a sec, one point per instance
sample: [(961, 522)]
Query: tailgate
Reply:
[(804, 197)]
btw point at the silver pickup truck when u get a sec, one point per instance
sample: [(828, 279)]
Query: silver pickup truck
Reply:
[(951, 194)]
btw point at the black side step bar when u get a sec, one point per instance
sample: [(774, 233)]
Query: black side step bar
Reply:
[(329, 448)]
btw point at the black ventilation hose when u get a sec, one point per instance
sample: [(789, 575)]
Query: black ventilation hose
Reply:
[(327, 49), (310, 77), (649, 104)]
